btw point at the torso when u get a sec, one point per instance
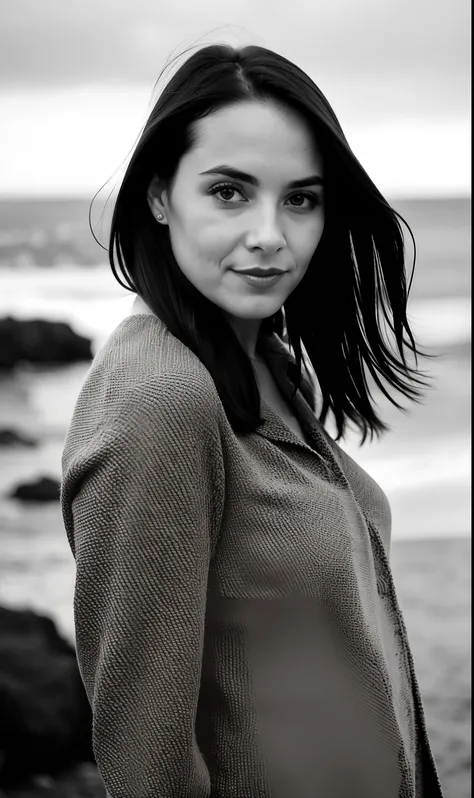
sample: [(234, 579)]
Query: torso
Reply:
[(293, 537)]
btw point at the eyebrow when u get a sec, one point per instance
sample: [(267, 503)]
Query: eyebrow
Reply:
[(236, 174)]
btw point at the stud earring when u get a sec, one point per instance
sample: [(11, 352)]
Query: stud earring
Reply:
[(160, 217)]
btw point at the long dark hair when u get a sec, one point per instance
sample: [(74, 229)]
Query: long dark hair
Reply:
[(348, 312)]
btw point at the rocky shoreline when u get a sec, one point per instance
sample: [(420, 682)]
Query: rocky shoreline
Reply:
[(45, 734), (40, 341), (82, 781), (45, 737)]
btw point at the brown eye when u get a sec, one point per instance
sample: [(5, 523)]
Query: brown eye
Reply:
[(298, 197), (312, 201), (225, 192)]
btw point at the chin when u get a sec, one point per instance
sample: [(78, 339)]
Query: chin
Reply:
[(254, 311)]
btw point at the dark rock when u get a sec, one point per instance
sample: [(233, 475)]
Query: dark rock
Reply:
[(40, 341), (82, 781), (45, 717), (43, 490), (10, 437)]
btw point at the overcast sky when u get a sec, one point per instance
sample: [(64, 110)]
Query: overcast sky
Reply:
[(76, 79)]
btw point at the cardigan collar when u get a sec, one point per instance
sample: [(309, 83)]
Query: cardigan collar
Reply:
[(283, 368)]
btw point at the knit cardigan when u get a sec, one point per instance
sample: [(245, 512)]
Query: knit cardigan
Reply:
[(237, 628)]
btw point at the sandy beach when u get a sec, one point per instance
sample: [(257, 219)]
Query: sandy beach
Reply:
[(433, 584)]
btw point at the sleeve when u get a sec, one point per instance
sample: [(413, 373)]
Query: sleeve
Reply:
[(144, 512)]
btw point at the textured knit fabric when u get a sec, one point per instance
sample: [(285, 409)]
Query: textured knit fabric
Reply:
[(237, 628)]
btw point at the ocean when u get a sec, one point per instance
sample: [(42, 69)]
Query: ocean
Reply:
[(50, 267)]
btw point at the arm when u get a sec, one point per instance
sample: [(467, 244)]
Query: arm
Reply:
[(143, 516)]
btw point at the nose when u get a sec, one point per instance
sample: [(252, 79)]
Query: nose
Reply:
[(265, 231)]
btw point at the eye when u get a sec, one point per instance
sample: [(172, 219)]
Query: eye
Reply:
[(312, 201), (225, 189)]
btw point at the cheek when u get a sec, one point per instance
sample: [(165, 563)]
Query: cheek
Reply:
[(317, 231), (306, 243), (198, 252), (200, 244)]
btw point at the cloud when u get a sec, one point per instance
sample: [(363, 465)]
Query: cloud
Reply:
[(397, 73), (53, 42)]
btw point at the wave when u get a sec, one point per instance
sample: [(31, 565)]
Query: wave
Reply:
[(437, 322), (439, 462), (93, 303)]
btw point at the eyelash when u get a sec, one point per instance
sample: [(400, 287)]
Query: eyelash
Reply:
[(314, 200)]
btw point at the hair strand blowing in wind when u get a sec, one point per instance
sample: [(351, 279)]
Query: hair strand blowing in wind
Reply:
[(349, 310)]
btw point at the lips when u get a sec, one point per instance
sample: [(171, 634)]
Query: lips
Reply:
[(260, 272)]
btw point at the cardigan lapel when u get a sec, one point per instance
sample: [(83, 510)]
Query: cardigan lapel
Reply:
[(278, 360), (281, 363)]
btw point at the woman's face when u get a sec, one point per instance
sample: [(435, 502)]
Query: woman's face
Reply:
[(247, 196)]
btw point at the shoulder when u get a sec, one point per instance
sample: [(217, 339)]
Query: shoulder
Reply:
[(143, 346), (145, 381), (142, 355)]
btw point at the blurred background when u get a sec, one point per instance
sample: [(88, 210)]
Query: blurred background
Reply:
[(76, 84)]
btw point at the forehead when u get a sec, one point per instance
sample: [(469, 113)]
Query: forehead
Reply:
[(257, 134)]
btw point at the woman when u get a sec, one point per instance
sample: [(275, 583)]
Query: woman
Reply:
[(237, 628)]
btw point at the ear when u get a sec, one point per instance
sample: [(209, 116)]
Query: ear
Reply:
[(157, 198)]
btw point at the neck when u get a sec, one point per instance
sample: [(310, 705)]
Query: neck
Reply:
[(247, 331), (139, 306)]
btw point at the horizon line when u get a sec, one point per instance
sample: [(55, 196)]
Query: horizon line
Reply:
[(81, 196)]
